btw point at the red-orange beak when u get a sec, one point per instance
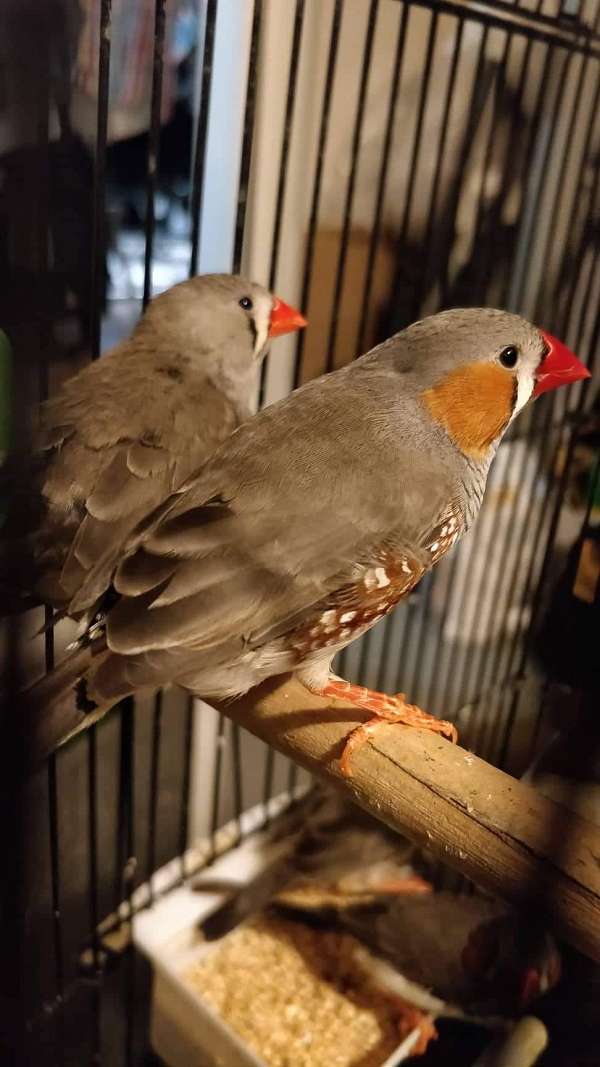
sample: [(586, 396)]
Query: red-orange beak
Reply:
[(284, 319), (560, 366)]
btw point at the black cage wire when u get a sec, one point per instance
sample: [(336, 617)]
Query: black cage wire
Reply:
[(373, 160)]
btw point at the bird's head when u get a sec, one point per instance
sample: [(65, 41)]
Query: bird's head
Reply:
[(478, 368), (221, 317)]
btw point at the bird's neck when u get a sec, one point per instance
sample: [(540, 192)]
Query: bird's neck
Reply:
[(474, 483), (236, 377), (472, 406), (240, 386)]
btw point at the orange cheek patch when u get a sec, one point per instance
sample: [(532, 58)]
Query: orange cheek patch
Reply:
[(473, 404)]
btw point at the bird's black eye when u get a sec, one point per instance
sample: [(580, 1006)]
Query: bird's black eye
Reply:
[(246, 303), (509, 357)]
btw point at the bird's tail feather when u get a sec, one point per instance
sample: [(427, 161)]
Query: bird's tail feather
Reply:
[(57, 707)]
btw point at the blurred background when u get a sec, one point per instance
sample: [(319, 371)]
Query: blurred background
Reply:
[(373, 161)]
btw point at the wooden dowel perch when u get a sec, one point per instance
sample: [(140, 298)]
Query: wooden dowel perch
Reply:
[(499, 832)]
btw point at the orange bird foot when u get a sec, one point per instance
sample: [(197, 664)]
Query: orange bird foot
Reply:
[(385, 708), (412, 1018)]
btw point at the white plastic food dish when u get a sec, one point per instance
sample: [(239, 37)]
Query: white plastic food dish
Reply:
[(185, 1031)]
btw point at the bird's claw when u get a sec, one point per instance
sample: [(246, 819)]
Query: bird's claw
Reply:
[(393, 709), (384, 708)]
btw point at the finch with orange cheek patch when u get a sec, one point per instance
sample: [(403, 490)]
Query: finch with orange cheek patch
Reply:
[(316, 517)]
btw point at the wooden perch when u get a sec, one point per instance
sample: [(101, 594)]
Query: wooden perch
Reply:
[(499, 832)]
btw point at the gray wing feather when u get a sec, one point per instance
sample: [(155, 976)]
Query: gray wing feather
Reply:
[(283, 514)]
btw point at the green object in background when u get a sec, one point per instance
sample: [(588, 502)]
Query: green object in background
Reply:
[(5, 427)]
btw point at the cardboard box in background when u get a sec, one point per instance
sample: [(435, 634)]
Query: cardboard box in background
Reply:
[(321, 296)]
